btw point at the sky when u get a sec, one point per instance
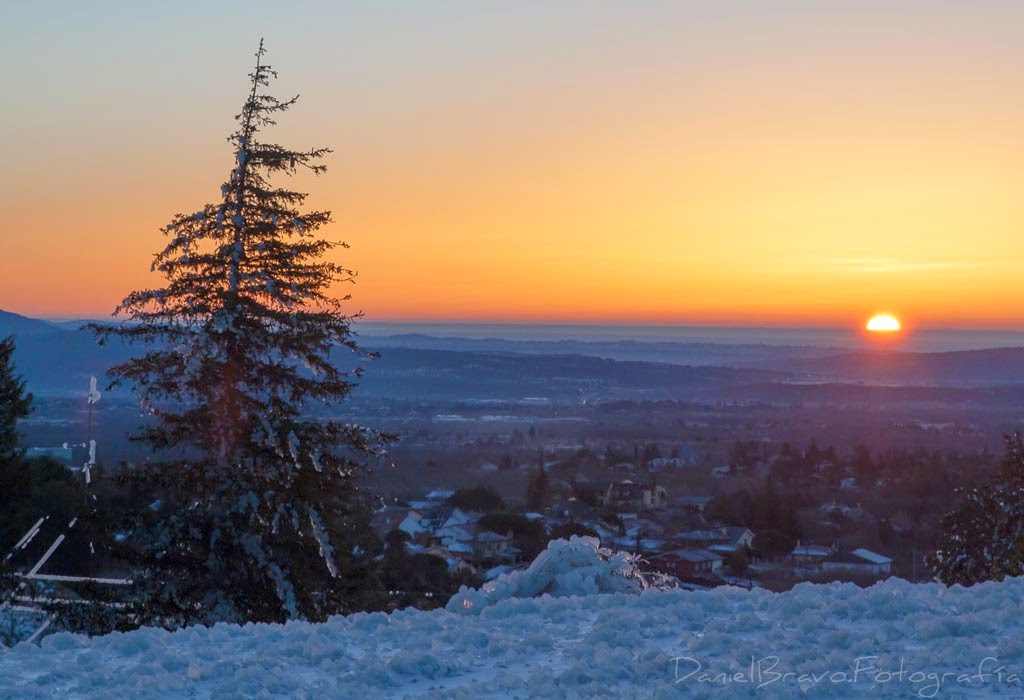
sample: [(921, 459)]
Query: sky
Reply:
[(696, 163)]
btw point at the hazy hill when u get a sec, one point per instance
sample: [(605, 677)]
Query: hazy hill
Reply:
[(413, 373), (757, 356), (992, 367), (964, 368), (59, 358), (16, 324), (54, 359)]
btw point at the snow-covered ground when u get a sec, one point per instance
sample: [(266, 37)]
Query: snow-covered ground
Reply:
[(830, 641)]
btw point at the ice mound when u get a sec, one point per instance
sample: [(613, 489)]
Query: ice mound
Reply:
[(577, 566)]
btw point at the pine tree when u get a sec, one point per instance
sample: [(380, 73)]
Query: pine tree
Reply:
[(259, 514), (15, 403), (982, 539), (538, 490)]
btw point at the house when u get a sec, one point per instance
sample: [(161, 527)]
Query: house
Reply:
[(739, 537), (809, 555), (631, 494), (467, 541), (690, 563), (724, 539), (490, 546), (413, 522), (642, 536), (859, 561), (456, 561), (416, 526), (408, 520), (449, 516), (462, 550), (451, 535)]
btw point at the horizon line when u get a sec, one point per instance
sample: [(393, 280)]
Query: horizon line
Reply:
[(582, 323)]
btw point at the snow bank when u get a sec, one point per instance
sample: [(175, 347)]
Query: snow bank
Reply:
[(722, 643), (577, 566)]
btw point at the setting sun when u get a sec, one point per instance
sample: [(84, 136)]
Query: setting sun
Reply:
[(883, 323)]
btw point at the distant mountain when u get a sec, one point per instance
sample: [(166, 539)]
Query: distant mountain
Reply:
[(59, 359), (992, 367), (997, 366), (417, 373), (55, 359), (62, 362), (77, 323), (18, 325), (753, 356)]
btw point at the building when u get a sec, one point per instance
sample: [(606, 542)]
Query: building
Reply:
[(490, 546), (455, 562), (690, 563), (722, 539), (809, 556), (859, 561), (635, 495), (449, 535), (410, 521)]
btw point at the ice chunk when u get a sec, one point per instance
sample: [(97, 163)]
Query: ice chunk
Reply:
[(577, 566)]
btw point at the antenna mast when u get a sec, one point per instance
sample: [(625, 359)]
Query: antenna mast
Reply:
[(90, 443)]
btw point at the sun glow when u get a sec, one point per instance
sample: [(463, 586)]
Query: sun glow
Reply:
[(883, 323)]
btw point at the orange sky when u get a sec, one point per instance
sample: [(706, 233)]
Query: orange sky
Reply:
[(798, 164)]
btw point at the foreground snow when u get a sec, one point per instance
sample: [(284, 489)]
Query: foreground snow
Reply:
[(605, 646)]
